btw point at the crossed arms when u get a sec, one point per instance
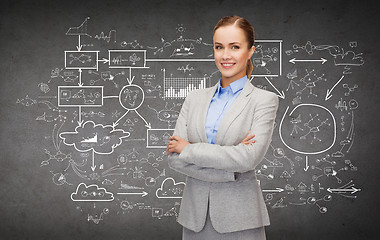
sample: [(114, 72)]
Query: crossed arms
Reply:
[(215, 163)]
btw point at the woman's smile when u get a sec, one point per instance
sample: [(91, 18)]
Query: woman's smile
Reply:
[(228, 65)]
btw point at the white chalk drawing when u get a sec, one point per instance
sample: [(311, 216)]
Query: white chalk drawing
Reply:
[(79, 30), (267, 58), (59, 179), (97, 218), (81, 59), (115, 115), (167, 115), (170, 189), (107, 37), (127, 58), (106, 76), (311, 128), (102, 139), (158, 138), (91, 193)]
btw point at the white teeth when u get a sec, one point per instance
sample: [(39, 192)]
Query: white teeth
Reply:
[(227, 64)]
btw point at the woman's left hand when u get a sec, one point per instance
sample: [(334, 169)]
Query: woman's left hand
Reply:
[(176, 144)]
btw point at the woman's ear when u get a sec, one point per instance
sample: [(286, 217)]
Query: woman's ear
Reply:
[(251, 51)]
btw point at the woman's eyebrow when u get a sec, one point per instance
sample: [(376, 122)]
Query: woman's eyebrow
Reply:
[(228, 44)]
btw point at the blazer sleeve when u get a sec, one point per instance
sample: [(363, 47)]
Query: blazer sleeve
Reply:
[(242, 157), (190, 169)]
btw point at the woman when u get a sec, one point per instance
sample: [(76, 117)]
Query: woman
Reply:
[(211, 146)]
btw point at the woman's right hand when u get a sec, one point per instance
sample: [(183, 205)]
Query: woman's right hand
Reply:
[(247, 138)]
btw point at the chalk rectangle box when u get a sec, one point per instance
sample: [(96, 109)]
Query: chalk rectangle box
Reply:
[(81, 59), (80, 96), (158, 138), (127, 58)]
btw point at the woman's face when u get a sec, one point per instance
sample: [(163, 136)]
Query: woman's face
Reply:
[(231, 52)]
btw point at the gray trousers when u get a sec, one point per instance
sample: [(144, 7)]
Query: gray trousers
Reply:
[(208, 233)]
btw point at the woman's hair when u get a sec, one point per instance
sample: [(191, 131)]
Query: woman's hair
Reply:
[(248, 30)]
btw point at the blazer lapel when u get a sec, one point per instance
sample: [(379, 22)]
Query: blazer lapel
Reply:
[(203, 112), (233, 111)]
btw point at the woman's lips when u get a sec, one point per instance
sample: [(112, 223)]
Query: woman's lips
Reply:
[(227, 65)]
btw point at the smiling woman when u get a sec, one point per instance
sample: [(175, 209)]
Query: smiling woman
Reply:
[(233, 49), (210, 144)]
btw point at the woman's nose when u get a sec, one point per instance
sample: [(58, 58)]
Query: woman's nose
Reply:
[(226, 54)]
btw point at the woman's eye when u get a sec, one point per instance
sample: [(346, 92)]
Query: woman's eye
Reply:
[(218, 47), (235, 47)]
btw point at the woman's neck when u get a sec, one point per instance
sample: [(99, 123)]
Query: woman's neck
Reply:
[(227, 81)]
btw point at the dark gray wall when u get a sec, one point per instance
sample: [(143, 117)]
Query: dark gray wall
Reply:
[(333, 198)]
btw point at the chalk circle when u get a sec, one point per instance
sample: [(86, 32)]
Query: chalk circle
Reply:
[(353, 104), (323, 209), (131, 97), (278, 153), (269, 196), (122, 159), (311, 200), (327, 197), (59, 179), (150, 182), (314, 177), (308, 129), (125, 205)]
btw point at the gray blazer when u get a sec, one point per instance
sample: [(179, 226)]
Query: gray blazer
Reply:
[(235, 204)]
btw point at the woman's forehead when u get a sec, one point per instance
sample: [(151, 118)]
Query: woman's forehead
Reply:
[(229, 34)]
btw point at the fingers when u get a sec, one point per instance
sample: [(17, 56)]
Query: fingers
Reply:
[(170, 147), (174, 137), (249, 137), (246, 134), (248, 142), (168, 151)]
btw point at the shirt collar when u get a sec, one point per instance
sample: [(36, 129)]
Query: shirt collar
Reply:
[(235, 86)]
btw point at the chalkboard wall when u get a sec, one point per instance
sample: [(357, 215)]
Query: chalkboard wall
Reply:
[(91, 91)]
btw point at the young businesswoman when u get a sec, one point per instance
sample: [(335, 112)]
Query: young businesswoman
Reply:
[(211, 144)]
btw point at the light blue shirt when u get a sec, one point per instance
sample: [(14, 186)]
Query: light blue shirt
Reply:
[(220, 102)]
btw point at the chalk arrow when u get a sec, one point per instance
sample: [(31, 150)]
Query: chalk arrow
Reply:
[(328, 93), (93, 160), (80, 123), (352, 190), (281, 94), (80, 77), (130, 79), (143, 194), (104, 60), (307, 165), (79, 47), (114, 124), (273, 190), (294, 60)]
